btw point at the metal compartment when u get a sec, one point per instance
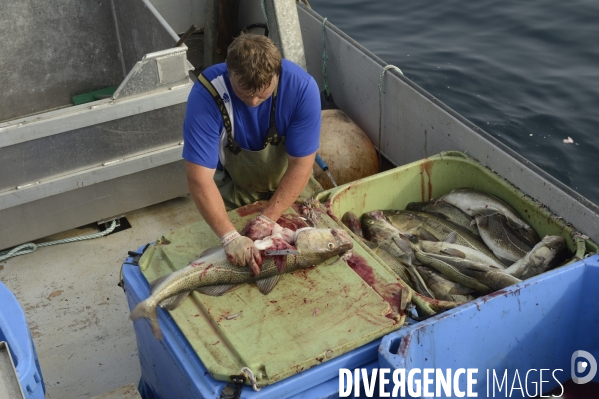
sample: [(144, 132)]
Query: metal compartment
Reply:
[(64, 166)]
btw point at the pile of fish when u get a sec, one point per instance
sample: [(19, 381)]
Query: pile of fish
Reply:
[(212, 274), (465, 244)]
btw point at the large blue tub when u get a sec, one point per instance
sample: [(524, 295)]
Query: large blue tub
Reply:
[(541, 323), (14, 330), (171, 369)]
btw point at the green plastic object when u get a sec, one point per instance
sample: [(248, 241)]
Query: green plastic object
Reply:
[(311, 316), (94, 96), (435, 176)]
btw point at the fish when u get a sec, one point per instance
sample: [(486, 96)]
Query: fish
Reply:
[(443, 288), (447, 211), (460, 251), (494, 279), (501, 238), (474, 202), (449, 271), (212, 274), (436, 228), (546, 255), (379, 231), (352, 222)]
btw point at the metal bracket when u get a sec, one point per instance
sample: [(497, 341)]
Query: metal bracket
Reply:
[(233, 389)]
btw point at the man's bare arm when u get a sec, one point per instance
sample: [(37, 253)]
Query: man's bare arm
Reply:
[(292, 184), (207, 198)]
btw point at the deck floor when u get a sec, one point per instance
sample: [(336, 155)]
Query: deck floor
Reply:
[(77, 314)]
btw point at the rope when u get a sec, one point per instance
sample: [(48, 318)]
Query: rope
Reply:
[(325, 58), (263, 6), (385, 69), (31, 247), (251, 376)]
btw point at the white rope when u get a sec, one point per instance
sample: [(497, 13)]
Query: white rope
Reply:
[(251, 376), (31, 247), (385, 69)]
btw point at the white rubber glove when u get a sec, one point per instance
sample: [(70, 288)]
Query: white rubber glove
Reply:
[(241, 251)]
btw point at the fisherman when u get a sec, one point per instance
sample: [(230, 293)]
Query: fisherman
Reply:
[(251, 132)]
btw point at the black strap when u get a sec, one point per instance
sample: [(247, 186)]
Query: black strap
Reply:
[(272, 136), (231, 144)]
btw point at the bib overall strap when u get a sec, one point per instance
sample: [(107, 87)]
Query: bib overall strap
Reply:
[(272, 136), (231, 143)]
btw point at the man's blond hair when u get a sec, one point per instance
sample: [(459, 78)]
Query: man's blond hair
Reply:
[(254, 60)]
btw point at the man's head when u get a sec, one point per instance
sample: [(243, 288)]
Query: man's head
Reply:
[(254, 65)]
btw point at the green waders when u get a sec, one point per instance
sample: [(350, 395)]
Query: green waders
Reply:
[(250, 176)]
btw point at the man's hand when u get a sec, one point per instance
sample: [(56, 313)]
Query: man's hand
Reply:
[(241, 251), (258, 228)]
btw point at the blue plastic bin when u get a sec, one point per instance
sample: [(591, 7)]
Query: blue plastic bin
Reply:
[(15, 331), (171, 369), (537, 324)]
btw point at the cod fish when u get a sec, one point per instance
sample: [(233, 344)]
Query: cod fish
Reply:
[(213, 275), (546, 255), (379, 231), (475, 202), (444, 289), (351, 221), (460, 251), (501, 238), (447, 211), (434, 228)]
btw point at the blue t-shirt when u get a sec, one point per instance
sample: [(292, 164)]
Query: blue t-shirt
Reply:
[(297, 117)]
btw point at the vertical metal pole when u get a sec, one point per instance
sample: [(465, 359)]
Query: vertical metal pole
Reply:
[(285, 31), (210, 32)]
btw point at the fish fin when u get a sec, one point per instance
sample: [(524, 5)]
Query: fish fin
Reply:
[(174, 301), (451, 237), (266, 285), (477, 268), (454, 252), (482, 221), (210, 251), (403, 243), (426, 235), (215, 290), (149, 312), (157, 282)]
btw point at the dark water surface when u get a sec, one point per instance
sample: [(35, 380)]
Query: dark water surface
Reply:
[(527, 72)]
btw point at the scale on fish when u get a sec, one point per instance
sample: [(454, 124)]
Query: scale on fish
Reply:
[(212, 274)]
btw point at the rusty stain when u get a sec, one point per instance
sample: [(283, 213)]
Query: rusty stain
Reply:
[(426, 167), (1, 267), (54, 294)]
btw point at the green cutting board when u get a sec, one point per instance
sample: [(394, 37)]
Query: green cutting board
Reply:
[(311, 316)]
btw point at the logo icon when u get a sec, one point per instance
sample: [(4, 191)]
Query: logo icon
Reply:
[(588, 364), (225, 98)]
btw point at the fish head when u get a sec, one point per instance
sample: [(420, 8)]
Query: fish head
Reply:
[(376, 227), (549, 252), (555, 243), (403, 220), (322, 243)]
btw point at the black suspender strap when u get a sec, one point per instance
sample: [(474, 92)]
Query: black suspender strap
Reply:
[(272, 136), (231, 143)]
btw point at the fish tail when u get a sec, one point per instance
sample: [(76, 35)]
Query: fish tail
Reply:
[(145, 310)]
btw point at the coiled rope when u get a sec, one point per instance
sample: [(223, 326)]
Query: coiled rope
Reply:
[(31, 247), (247, 371), (385, 69)]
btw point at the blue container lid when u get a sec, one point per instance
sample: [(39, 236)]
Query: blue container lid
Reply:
[(15, 331)]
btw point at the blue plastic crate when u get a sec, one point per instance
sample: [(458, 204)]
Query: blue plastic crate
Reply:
[(171, 369), (15, 331), (536, 324)]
